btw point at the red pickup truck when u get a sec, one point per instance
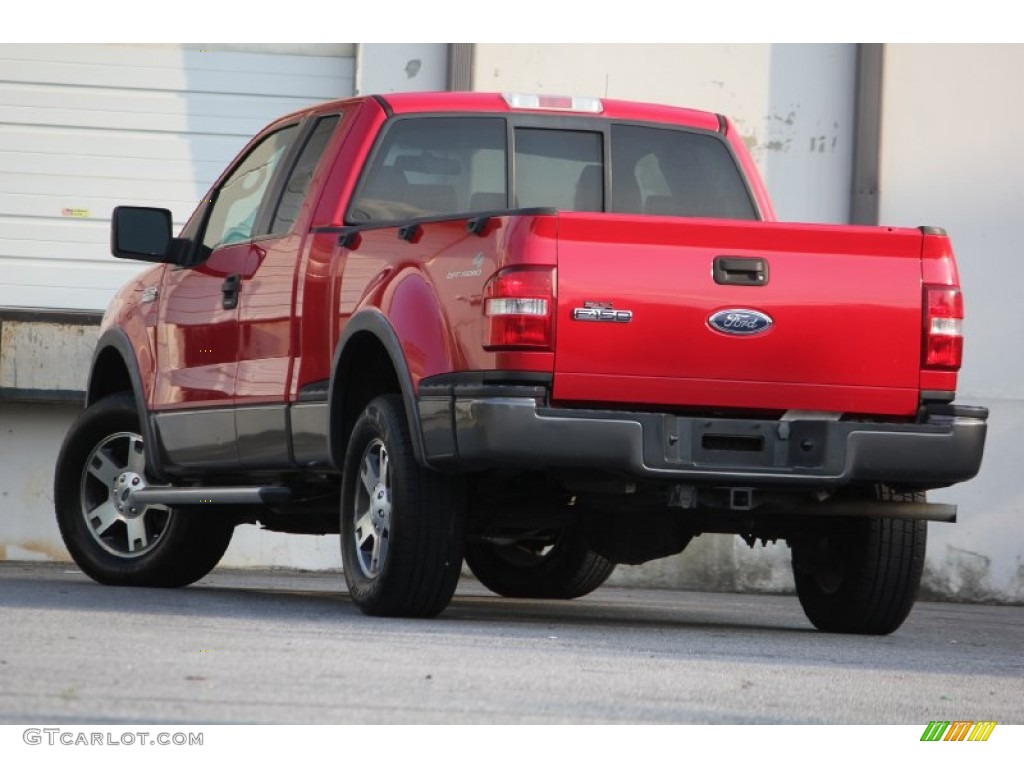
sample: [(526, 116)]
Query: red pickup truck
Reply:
[(542, 335)]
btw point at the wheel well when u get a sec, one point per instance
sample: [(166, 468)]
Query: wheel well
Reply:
[(364, 371), (109, 376)]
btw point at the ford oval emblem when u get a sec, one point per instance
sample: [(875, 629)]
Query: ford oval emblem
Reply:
[(740, 322)]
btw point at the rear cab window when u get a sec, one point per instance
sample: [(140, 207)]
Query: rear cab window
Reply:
[(434, 166), (424, 167), (669, 172)]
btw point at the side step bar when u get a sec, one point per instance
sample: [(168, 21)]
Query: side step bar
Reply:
[(253, 494)]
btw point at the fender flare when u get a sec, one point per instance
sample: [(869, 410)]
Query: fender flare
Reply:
[(374, 322), (117, 339)]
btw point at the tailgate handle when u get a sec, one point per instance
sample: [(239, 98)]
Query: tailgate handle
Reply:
[(740, 270)]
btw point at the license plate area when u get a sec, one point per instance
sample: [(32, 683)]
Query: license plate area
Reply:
[(731, 442), (738, 443), (746, 444)]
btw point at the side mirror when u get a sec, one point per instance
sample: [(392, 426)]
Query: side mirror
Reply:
[(142, 233)]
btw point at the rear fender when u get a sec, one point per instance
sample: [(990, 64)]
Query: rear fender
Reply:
[(368, 324)]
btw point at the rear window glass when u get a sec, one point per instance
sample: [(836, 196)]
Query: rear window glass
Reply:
[(559, 169), (433, 167), (664, 172), (439, 166)]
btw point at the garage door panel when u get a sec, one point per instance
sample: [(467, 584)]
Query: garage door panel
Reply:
[(89, 285), (72, 188), (94, 228), (106, 145), (47, 210), (55, 230), (171, 57), (167, 69), (132, 101), (55, 250), (133, 121), (142, 77), (123, 168), (84, 128)]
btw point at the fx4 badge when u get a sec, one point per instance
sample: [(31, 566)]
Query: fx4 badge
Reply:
[(740, 322), (601, 312)]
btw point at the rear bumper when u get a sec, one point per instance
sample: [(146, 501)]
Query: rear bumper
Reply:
[(478, 427)]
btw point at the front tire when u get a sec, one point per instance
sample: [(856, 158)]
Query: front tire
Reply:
[(112, 539), (861, 576), (556, 567), (401, 525)]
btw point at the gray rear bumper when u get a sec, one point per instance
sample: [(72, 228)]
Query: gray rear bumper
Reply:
[(466, 428)]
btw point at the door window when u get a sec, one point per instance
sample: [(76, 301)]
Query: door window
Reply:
[(298, 180), (238, 201)]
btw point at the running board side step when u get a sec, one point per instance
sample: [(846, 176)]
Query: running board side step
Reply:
[(246, 494)]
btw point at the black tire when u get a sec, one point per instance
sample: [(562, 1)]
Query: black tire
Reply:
[(561, 567), (401, 525), (152, 546), (863, 575)]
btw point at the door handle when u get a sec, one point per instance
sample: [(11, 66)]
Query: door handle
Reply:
[(740, 270), (230, 288)]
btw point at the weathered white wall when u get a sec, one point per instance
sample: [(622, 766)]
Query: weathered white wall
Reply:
[(396, 67), (30, 438), (793, 104), (952, 157)]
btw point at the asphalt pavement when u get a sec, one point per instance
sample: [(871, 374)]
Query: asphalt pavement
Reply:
[(290, 647)]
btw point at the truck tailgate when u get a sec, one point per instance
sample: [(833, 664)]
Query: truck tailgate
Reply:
[(832, 324)]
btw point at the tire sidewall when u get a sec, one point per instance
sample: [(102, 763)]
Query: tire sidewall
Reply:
[(373, 424), (553, 575), (865, 601), (164, 564)]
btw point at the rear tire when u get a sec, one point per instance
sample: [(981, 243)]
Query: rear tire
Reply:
[(558, 568), (116, 542), (861, 576), (401, 524)]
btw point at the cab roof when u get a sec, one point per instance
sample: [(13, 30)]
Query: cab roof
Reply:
[(463, 102)]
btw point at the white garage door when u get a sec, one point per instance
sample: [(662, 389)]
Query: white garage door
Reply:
[(86, 127)]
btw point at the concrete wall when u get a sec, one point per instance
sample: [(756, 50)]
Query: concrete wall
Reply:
[(30, 438), (951, 156), (396, 67), (793, 104)]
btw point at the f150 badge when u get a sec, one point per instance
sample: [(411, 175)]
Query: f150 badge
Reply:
[(601, 312), (740, 322)]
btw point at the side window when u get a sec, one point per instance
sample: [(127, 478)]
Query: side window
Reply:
[(298, 181), (432, 166), (559, 169), (665, 172), (238, 201)]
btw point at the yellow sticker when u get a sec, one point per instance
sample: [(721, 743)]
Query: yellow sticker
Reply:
[(77, 213)]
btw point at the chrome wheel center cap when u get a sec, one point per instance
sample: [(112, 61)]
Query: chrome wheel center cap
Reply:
[(380, 507), (122, 493)]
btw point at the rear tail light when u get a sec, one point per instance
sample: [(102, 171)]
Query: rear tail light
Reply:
[(518, 305), (943, 327)]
